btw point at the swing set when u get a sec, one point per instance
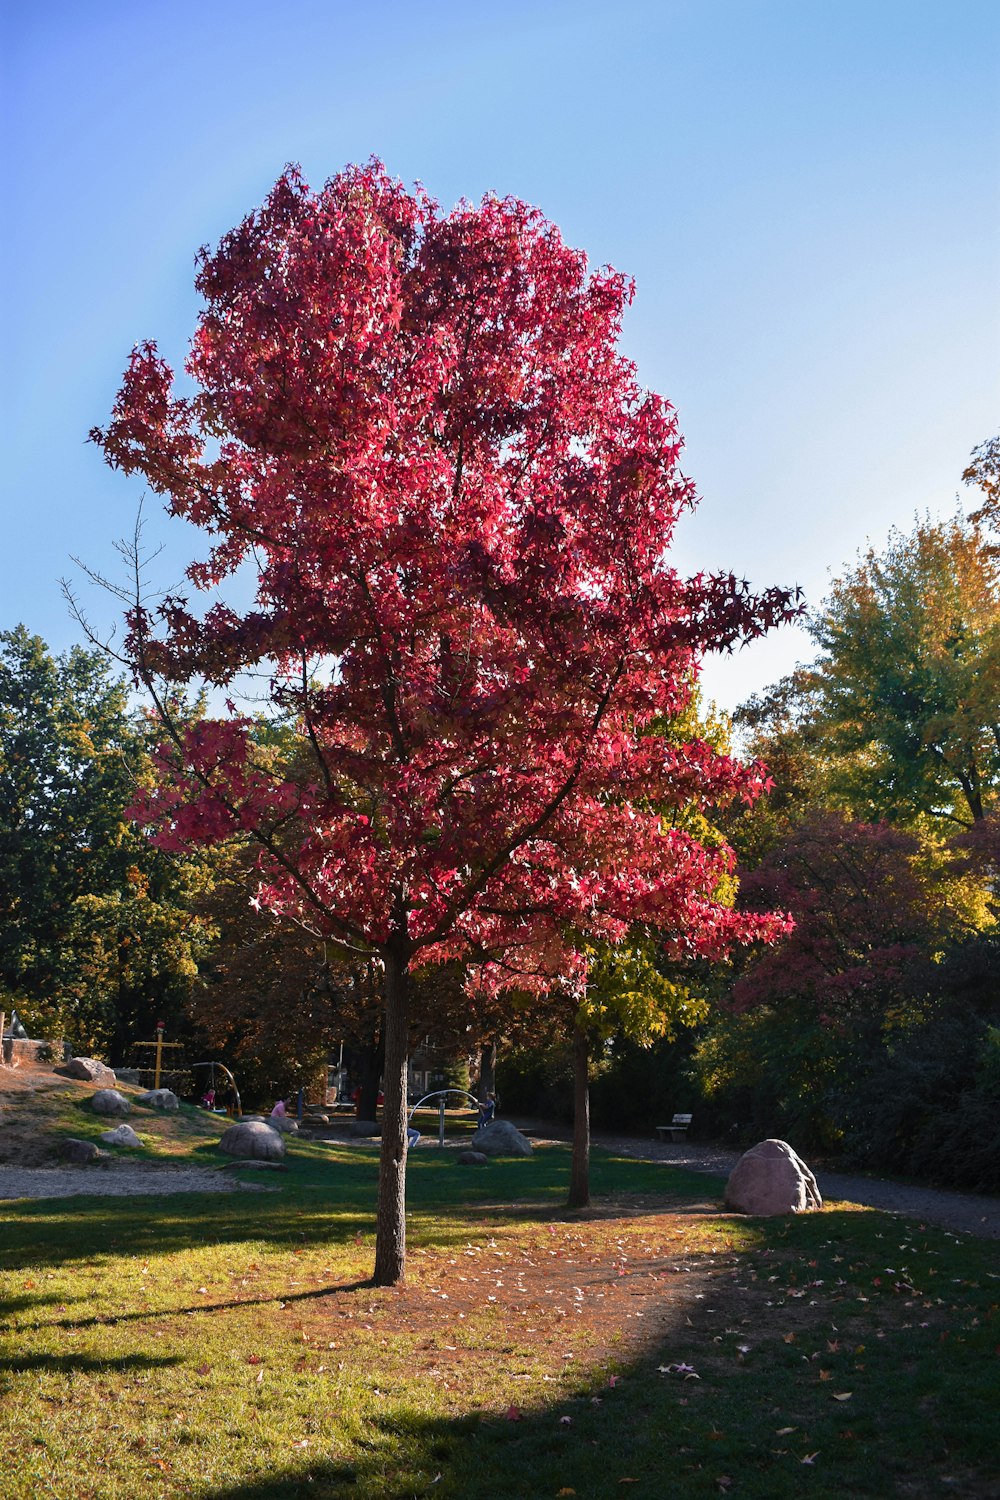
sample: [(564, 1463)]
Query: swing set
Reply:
[(210, 1092)]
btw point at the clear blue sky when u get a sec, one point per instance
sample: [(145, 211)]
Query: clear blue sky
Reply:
[(807, 193)]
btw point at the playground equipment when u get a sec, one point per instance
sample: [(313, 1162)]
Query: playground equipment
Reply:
[(211, 1081), (441, 1094)]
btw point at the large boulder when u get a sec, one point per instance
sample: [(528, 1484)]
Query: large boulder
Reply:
[(158, 1099), (364, 1127), (82, 1153), (122, 1135), (90, 1070), (500, 1138), (283, 1124), (771, 1179), (110, 1102), (254, 1139)]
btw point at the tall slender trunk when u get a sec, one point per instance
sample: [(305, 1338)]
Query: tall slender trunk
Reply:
[(579, 1177), (372, 1063), (487, 1071), (390, 1235)]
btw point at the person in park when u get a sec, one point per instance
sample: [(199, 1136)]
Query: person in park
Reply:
[(487, 1111), (279, 1112), (415, 430)]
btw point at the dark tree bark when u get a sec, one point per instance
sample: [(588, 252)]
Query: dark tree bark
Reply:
[(390, 1243), (487, 1071), (373, 1063), (579, 1177)]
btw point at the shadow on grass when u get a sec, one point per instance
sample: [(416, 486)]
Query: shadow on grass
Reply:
[(85, 1364), (279, 1299)]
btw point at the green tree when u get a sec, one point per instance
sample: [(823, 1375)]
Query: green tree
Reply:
[(898, 718), (98, 940)]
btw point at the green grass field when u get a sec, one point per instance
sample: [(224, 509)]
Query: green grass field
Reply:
[(229, 1345)]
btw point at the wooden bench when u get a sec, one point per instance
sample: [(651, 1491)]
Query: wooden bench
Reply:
[(677, 1129)]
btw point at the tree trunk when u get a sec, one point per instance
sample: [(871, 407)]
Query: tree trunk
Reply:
[(390, 1235), (372, 1065), (487, 1071), (579, 1177)]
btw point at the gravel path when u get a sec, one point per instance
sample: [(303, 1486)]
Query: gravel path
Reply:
[(116, 1180), (970, 1213)]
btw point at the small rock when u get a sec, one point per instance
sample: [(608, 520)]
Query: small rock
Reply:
[(158, 1099), (122, 1135), (110, 1102), (81, 1153), (500, 1138), (90, 1070), (283, 1124), (253, 1138), (472, 1159), (364, 1127), (771, 1179)]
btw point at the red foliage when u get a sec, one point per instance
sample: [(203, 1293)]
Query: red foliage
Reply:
[(459, 502), (860, 915)]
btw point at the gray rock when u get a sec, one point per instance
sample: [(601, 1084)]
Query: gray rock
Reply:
[(81, 1153), (158, 1099), (283, 1124), (91, 1071), (253, 1138), (472, 1159), (771, 1179), (122, 1135), (364, 1127), (129, 1075), (110, 1102), (255, 1166), (500, 1138)]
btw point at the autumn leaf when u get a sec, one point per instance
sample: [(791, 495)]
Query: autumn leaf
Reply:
[(513, 1414), (842, 1395)]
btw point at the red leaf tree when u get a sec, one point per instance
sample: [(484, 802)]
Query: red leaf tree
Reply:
[(417, 429)]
